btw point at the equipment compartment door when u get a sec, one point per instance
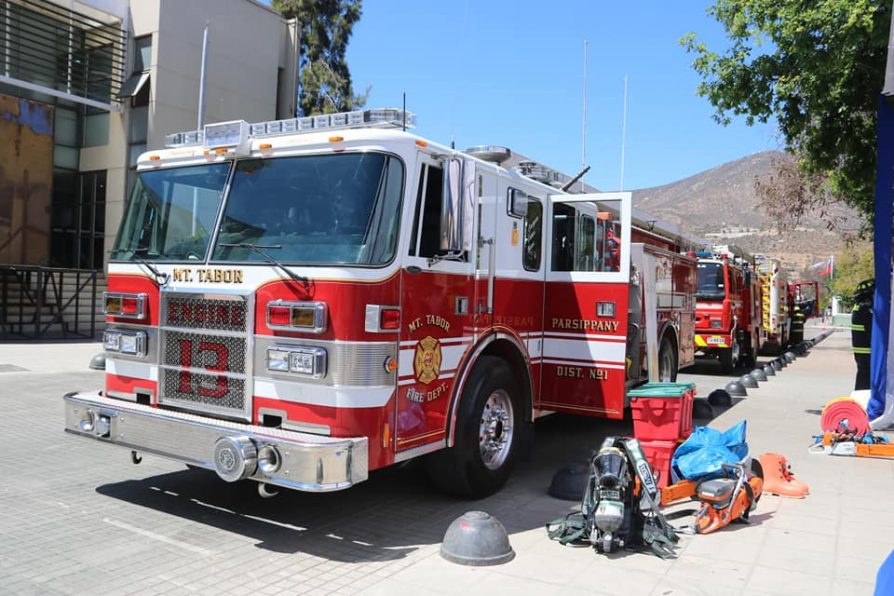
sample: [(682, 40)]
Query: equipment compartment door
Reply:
[(585, 313)]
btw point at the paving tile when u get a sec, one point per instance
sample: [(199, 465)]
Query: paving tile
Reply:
[(852, 588), (818, 564), (798, 540), (614, 580), (676, 585), (857, 569), (785, 581), (392, 587)]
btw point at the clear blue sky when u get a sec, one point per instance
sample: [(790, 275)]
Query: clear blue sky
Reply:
[(510, 73)]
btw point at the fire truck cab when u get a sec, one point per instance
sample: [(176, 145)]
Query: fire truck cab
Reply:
[(300, 302), (728, 314)]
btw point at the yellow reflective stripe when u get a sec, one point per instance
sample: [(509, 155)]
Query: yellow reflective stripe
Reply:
[(862, 351), (700, 342), (858, 327)]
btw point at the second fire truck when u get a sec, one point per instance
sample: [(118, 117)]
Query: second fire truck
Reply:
[(299, 302), (728, 317)]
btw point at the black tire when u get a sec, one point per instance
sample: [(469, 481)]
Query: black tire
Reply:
[(469, 469), (667, 360)]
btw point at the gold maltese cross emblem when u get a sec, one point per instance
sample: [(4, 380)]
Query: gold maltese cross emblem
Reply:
[(427, 363)]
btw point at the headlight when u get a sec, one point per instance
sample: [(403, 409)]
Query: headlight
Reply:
[(111, 340), (132, 343), (278, 360), (715, 324), (303, 360)]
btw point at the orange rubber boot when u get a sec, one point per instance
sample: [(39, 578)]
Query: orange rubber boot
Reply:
[(778, 477)]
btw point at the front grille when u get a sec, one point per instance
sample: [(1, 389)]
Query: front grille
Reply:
[(217, 391), (204, 350), (205, 353)]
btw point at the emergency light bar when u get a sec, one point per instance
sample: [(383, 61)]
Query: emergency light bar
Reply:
[(542, 173), (239, 133)]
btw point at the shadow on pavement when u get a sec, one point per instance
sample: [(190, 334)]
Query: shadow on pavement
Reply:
[(384, 518)]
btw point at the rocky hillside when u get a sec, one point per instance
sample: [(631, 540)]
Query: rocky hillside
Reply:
[(721, 205)]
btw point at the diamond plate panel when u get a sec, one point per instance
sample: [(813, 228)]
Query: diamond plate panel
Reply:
[(204, 350), (212, 390)]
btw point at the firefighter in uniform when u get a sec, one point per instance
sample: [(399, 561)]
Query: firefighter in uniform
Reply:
[(797, 334), (861, 330)]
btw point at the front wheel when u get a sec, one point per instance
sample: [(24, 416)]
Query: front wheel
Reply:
[(489, 428)]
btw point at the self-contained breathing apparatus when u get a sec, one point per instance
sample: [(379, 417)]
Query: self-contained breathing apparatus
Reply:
[(620, 505)]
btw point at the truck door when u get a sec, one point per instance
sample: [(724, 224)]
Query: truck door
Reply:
[(586, 304), (437, 290)]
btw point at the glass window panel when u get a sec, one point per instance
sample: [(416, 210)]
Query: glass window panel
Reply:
[(533, 234), (139, 124), (315, 210), (65, 157), (96, 130), (710, 281), (587, 236), (66, 132), (171, 213), (142, 56)]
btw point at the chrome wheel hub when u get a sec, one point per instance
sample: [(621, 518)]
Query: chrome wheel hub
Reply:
[(495, 430)]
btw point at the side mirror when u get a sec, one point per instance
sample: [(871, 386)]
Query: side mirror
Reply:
[(452, 212), (517, 202)]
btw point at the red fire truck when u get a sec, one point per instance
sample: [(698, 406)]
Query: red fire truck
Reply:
[(728, 311), (299, 302)]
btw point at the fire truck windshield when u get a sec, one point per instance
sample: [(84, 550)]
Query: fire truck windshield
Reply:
[(171, 213), (710, 282), (315, 210)]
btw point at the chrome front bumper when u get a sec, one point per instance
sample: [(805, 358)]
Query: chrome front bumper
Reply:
[(306, 462)]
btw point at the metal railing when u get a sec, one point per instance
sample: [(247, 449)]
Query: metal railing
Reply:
[(33, 300)]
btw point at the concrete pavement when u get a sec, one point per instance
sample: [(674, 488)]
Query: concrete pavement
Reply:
[(79, 518)]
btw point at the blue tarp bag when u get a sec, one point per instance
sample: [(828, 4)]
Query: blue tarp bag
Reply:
[(703, 454)]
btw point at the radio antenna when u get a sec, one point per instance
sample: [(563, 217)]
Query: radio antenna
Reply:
[(583, 150), (623, 133)]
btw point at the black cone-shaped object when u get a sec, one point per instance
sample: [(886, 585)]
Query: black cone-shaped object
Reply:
[(702, 410), (748, 381), (570, 482), (770, 370), (476, 538), (758, 374), (789, 357), (720, 399)]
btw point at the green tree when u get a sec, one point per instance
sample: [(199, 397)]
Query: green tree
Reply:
[(325, 26), (852, 265), (818, 67)]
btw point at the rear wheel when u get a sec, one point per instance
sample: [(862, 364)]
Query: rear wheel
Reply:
[(488, 434), (667, 361)]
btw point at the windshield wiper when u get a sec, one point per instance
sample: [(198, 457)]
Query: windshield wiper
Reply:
[(161, 278), (260, 249)]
